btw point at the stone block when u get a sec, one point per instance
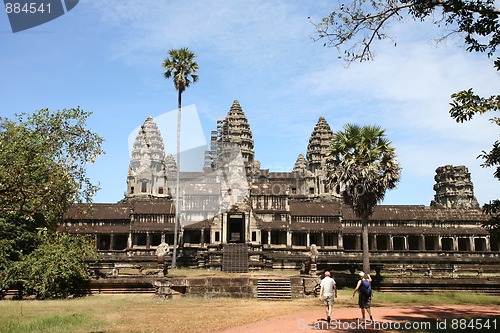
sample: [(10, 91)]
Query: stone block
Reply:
[(197, 282), (239, 282)]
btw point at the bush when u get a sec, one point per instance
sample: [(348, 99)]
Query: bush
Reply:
[(56, 269)]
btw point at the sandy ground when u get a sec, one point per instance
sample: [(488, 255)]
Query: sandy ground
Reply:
[(385, 319)]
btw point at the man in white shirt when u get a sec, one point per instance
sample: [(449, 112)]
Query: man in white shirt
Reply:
[(328, 293)]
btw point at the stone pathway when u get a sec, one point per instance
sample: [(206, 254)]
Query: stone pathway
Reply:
[(397, 319)]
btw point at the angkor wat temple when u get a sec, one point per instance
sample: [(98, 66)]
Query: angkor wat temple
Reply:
[(264, 219)]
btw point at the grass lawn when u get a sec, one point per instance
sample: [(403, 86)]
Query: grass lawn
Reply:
[(146, 313)]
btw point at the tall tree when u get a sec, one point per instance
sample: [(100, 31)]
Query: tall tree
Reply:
[(43, 159), (181, 67), (361, 166)]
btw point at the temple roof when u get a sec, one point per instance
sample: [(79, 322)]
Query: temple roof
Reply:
[(300, 208), (418, 213), (98, 211)]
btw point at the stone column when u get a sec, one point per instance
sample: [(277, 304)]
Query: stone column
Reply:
[(340, 238), (472, 244), (269, 237), (455, 243), (308, 239), (406, 246), (374, 242), (421, 243), (148, 240), (488, 245), (162, 240), (390, 243), (111, 241), (439, 243), (223, 236), (289, 238), (322, 240), (130, 244), (358, 242), (202, 239)]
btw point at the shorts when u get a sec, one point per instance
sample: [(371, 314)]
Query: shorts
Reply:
[(328, 300), (364, 301)]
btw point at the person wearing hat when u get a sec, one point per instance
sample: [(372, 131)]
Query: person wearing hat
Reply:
[(328, 293), (364, 290)]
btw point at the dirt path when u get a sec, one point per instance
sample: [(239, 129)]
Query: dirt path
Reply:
[(385, 319)]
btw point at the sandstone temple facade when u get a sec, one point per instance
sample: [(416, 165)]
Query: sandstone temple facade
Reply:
[(273, 218)]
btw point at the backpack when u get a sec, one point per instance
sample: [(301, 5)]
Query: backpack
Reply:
[(367, 289)]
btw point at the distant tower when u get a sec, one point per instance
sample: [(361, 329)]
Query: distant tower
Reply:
[(233, 135), (300, 165), (147, 175), (454, 188), (236, 129), (317, 149)]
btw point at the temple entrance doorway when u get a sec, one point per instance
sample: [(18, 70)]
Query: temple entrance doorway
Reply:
[(236, 228)]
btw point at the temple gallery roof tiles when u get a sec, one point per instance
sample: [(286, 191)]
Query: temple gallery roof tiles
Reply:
[(98, 229), (166, 207), (119, 211), (98, 211), (412, 230), (418, 213), (305, 226), (315, 209)]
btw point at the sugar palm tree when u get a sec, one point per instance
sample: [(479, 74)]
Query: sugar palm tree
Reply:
[(361, 166), (180, 66)]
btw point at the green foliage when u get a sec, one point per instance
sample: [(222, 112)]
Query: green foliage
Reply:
[(182, 67), (362, 166), (55, 269), (43, 159), (42, 162), (493, 224), (18, 237), (466, 104)]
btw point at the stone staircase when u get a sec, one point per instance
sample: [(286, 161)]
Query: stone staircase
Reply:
[(235, 258), (274, 288)]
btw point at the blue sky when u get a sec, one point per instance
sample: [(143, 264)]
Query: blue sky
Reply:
[(106, 56)]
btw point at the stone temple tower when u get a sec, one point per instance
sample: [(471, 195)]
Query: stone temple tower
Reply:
[(233, 135), (454, 188), (319, 142), (147, 174), (236, 129)]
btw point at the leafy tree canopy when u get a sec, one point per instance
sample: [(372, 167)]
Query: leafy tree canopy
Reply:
[(43, 158), (182, 67), (362, 166)]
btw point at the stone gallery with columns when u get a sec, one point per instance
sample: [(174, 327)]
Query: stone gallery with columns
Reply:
[(236, 216)]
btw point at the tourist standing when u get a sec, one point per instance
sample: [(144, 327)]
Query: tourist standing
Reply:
[(328, 293), (364, 288)]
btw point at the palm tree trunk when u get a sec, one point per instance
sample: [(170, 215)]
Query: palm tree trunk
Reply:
[(366, 250), (177, 186)]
